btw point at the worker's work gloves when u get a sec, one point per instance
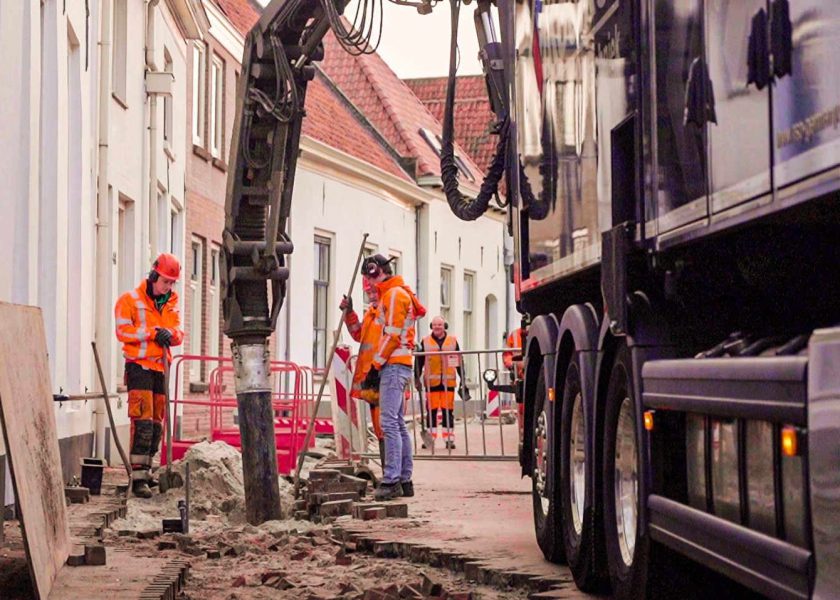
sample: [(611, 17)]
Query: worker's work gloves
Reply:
[(371, 381), (464, 394), (163, 337), (418, 384), (346, 304)]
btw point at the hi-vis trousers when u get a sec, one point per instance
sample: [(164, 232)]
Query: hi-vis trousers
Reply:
[(146, 406)]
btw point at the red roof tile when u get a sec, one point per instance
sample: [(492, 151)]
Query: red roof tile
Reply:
[(473, 116), (243, 14), (329, 120), (390, 105)]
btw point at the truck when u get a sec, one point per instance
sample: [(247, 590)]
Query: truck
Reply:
[(671, 174), (674, 199)]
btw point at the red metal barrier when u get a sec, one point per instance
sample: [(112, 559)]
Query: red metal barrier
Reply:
[(291, 399)]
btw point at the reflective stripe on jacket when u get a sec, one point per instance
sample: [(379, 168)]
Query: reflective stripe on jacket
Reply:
[(367, 333), (399, 309), (136, 320), (440, 368)]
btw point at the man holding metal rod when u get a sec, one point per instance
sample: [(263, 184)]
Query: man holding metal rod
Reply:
[(399, 309)]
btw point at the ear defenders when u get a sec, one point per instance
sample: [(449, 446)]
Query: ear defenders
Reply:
[(445, 325), (153, 275)]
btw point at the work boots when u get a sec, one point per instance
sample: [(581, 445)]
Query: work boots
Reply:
[(407, 488), (388, 491), (140, 488)]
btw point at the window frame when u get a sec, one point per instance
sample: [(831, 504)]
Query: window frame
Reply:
[(216, 102), (446, 272), (119, 52), (199, 97), (321, 267)]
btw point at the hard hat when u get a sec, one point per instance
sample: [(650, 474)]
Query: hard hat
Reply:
[(167, 265)]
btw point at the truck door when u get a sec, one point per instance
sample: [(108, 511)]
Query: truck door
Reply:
[(806, 95)]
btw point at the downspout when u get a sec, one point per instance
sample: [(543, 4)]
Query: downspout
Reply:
[(151, 67), (103, 333), (417, 208)]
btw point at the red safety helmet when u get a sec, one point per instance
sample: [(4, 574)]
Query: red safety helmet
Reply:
[(167, 265)]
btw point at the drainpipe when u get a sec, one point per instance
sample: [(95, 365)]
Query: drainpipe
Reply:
[(152, 67), (103, 332), (417, 208)]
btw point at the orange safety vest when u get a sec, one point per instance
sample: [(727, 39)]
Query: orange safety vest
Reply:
[(367, 333), (439, 368), (399, 309), (137, 318), (514, 340)]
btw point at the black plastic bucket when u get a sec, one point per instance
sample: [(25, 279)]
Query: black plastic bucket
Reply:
[(92, 469)]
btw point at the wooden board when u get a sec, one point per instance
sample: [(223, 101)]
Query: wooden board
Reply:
[(28, 420)]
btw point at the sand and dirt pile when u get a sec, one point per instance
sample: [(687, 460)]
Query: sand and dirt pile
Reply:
[(217, 492)]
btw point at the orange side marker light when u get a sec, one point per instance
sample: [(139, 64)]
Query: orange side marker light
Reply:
[(790, 441), (649, 420)]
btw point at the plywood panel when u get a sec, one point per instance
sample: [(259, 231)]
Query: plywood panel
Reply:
[(29, 429)]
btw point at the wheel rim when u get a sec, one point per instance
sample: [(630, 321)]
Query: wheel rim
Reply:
[(626, 481), (541, 460), (577, 464)]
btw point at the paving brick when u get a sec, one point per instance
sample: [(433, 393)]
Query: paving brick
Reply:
[(373, 514), (77, 494), (95, 555), (335, 508), (398, 510), (360, 507), (76, 557), (384, 550), (324, 475)]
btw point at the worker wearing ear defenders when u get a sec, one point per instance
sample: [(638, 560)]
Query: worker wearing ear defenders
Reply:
[(436, 373), (147, 324)]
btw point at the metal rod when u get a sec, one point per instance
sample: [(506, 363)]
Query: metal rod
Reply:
[(187, 494), (461, 352), (457, 457), (482, 417), (336, 334), (105, 397)]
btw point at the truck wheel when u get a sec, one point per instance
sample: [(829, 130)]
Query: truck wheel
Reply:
[(628, 557), (579, 528), (545, 505)]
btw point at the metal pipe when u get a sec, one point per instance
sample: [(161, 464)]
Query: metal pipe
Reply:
[(104, 211), (152, 68)]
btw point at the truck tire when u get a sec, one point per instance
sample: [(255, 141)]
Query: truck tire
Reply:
[(580, 531), (628, 557), (546, 524)]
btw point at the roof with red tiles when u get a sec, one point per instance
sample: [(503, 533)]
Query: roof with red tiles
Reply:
[(241, 13), (473, 116), (330, 120), (390, 105)]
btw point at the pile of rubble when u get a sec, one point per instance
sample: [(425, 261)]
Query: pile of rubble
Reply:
[(334, 492)]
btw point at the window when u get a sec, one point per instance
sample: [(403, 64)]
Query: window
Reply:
[(167, 104), (370, 250), (213, 340), (436, 142), (469, 294), (217, 106), (196, 300), (125, 244), (322, 288), (119, 56), (199, 91), (396, 262), (445, 291)]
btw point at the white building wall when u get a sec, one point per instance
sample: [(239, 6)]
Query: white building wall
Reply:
[(49, 128)]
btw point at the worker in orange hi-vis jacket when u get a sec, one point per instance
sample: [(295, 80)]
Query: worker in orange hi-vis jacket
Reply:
[(399, 309), (367, 332), (436, 373), (147, 324), (514, 341)]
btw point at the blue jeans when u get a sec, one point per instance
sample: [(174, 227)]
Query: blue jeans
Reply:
[(398, 460)]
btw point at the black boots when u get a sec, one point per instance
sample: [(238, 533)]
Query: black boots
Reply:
[(388, 491), (140, 488)]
